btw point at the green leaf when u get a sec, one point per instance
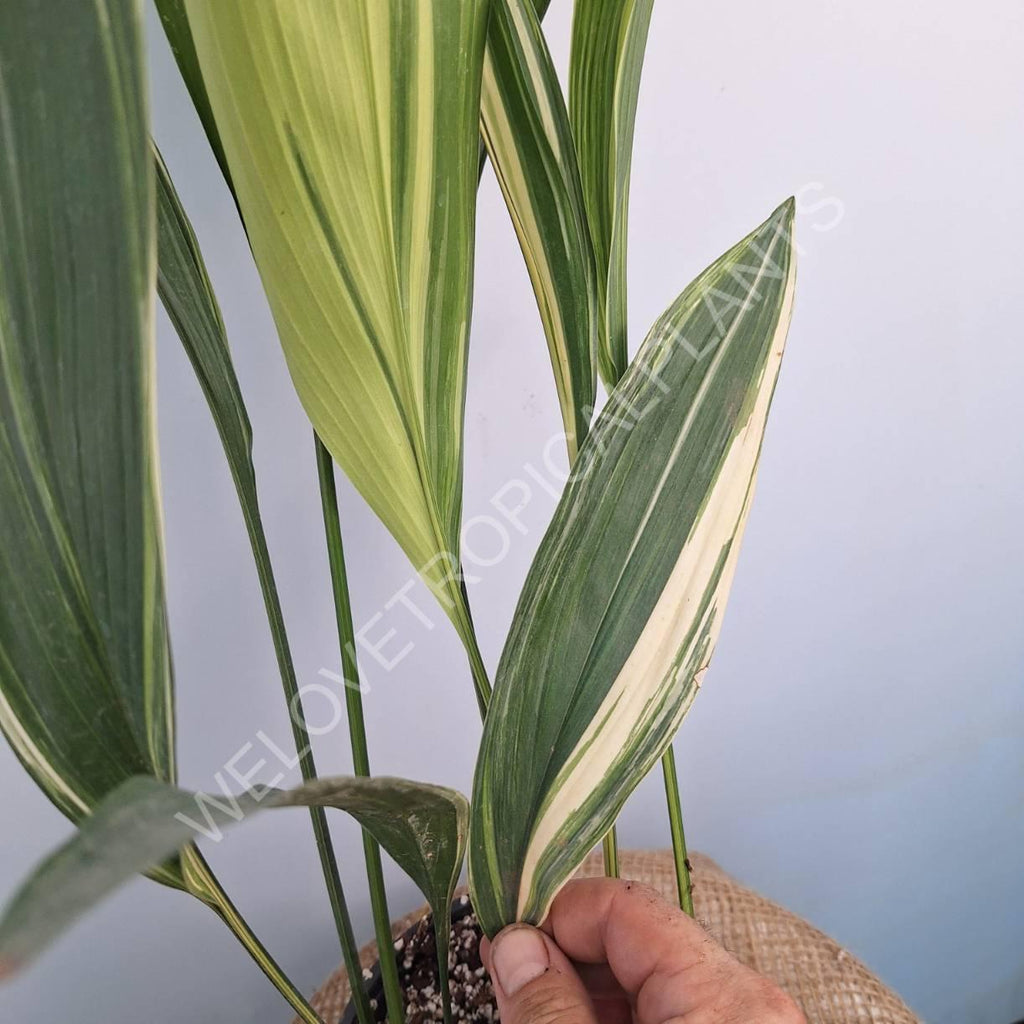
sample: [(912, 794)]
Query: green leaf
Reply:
[(174, 19), (607, 55), (525, 127), (623, 604), (85, 678), (144, 821), (355, 170), (422, 827), (187, 295)]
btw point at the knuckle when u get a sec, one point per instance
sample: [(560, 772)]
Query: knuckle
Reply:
[(660, 910), (641, 891), (773, 1006)]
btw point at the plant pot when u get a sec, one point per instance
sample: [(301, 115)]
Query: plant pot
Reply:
[(830, 984)]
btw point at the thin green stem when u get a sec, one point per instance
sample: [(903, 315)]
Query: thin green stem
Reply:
[(342, 917), (442, 930), (684, 887), (610, 848), (296, 714), (203, 884), (357, 727)]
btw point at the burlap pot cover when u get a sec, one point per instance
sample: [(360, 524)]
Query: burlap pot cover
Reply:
[(831, 985)]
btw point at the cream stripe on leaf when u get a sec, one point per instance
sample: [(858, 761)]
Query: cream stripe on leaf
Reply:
[(525, 127), (607, 55), (350, 131), (85, 680), (541, 7), (621, 609)]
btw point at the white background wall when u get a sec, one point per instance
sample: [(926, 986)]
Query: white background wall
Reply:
[(858, 750)]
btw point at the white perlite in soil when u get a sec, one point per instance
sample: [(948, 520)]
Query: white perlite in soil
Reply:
[(472, 994)]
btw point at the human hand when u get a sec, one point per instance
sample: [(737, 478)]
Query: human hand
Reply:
[(615, 952)]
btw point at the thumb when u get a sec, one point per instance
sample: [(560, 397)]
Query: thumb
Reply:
[(534, 982)]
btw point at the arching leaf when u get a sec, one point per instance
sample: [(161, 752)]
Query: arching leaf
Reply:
[(145, 821)]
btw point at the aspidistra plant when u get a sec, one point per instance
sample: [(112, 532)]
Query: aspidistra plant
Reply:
[(347, 131)]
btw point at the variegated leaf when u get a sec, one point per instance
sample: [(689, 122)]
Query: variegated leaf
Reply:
[(85, 677), (525, 127), (350, 131), (608, 41), (621, 609), (144, 821)]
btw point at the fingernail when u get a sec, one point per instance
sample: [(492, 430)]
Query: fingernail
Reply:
[(517, 957)]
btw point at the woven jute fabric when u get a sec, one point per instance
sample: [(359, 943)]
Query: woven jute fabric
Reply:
[(830, 984)]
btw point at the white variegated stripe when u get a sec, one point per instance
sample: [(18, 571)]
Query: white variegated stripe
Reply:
[(57, 788), (640, 693), (537, 69)]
